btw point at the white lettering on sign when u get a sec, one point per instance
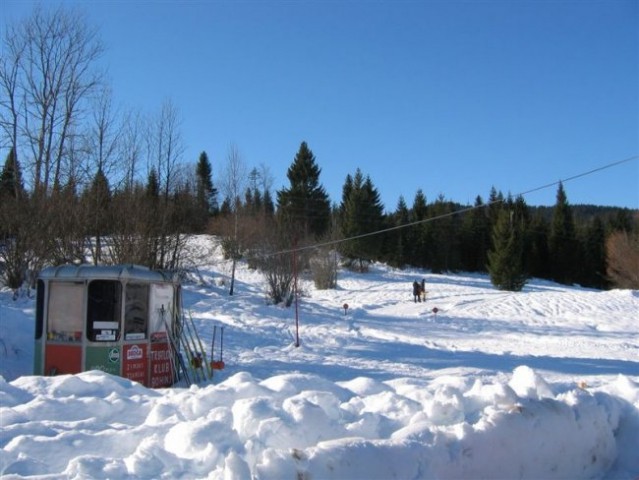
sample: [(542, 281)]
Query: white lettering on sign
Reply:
[(157, 355), (160, 368), (105, 337), (162, 381), (134, 353)]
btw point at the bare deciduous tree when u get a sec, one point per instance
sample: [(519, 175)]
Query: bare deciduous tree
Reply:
[(10, 103), (165, 146), (131, 147), (234, 179), (165, 149), (277, 263), (56, 75), (622, 252), (47, 74), (102, 164)]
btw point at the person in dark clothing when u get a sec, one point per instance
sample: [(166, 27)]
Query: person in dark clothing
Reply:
[(423, 290), (416, 292)]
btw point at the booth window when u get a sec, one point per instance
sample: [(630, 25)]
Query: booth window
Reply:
[(65, 312), (136, 311), (39, 310), (104, 309)]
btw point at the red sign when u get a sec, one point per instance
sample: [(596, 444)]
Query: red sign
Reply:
[(135, 364), (161, 370)]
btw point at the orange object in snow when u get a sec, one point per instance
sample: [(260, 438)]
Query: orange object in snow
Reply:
[(217, 365)]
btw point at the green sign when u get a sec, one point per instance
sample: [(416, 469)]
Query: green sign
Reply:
[(106, 359)]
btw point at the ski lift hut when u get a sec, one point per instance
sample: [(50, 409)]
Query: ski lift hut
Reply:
[(109, 318)]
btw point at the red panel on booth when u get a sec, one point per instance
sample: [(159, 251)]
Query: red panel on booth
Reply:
[(135, 363), (161, 364), (62, 359)]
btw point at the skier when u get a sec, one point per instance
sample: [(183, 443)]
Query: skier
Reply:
[(416, 292), (423, 289)]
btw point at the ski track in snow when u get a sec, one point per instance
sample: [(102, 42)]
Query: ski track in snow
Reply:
[(473, 328)]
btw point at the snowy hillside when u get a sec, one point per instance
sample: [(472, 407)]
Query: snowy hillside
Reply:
[(473, 383)]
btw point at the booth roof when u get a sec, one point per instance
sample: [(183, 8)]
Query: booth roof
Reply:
[(106, 272)]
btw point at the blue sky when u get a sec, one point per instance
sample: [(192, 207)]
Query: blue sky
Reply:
[(452, 97)]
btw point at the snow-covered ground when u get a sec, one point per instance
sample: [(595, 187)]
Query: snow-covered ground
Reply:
[(538, 384)]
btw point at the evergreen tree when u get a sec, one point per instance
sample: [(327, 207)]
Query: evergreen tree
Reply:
[(362, 213), (399, 251), (347, 188), (444, 247), (475, 237), (495, 205), (153, 184), (227, 208), (70, 222), (151, 220), (621, 221), (206, 192), (186, 212), (375, 216), (505, 259), (249, 206), (562, 243), (593, 262), (538, 255), (269, 206), (305, 205), (419, 240), (16, 218), (257, 201), (11, 183), (522, 214), (98, 202)]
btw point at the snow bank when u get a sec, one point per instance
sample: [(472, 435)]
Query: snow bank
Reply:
[(301, 426)]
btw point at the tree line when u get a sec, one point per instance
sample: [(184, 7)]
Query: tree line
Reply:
[(84, 181)]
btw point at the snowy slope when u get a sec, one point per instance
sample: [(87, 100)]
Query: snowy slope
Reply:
[(538, 384)]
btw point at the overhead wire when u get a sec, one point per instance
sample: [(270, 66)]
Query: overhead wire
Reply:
[(455, 212)]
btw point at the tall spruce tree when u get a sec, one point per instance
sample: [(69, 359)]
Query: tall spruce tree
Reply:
[(304, 206), (151, 219), (505, 259), (362, 213), (206, 192), (562, 243)]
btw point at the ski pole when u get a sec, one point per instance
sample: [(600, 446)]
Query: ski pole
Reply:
[(176, 352), (221, 343), (196, 358), (187, 350), (199, 341)]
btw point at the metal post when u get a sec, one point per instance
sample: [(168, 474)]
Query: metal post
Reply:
[(297, 318)]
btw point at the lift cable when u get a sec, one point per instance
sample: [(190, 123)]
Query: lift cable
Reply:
[(456, 212)]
